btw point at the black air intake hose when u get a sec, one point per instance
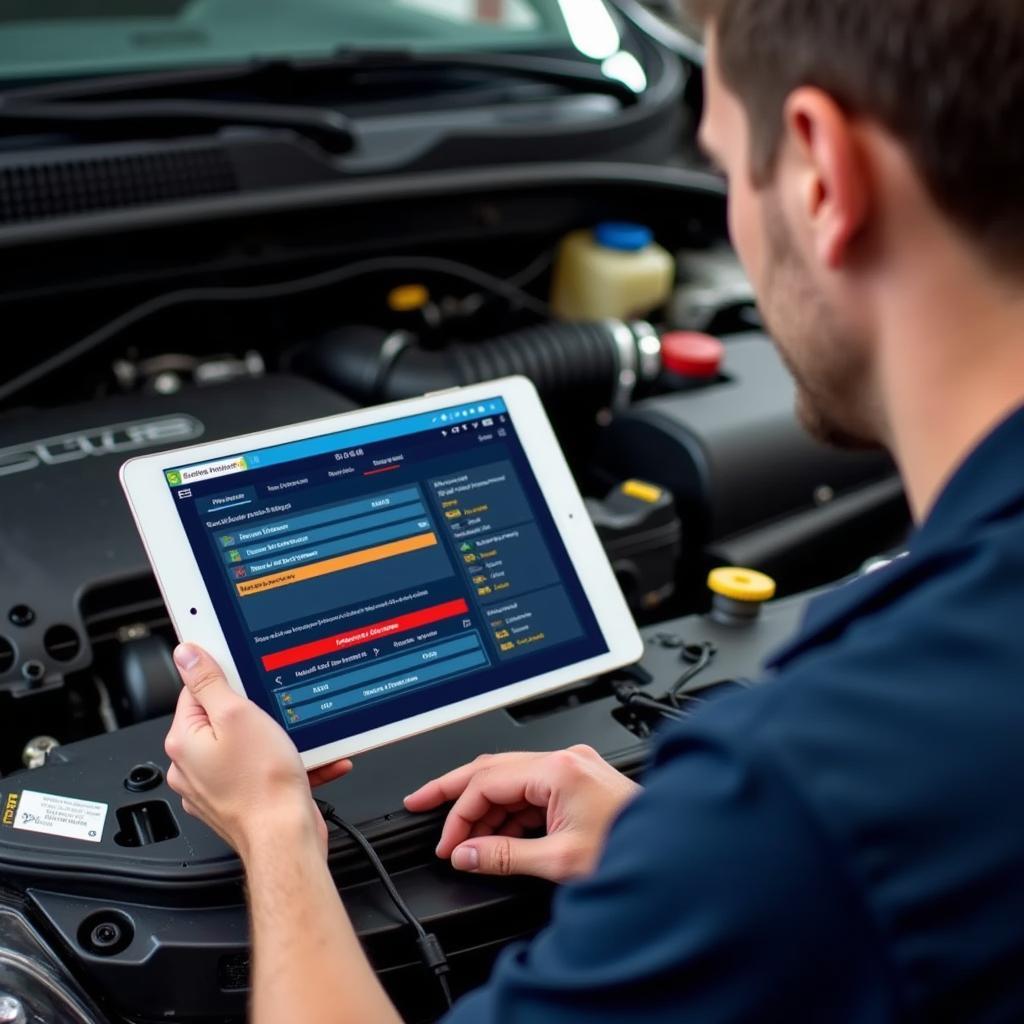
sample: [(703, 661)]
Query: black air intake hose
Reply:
[(594, 364)]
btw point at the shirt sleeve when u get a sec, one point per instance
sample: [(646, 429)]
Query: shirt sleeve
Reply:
[(717, 900)]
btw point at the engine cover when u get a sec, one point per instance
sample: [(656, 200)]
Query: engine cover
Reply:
[(173, 892), (64, 521)]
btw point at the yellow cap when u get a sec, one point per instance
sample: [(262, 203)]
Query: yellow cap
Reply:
[(742, 585), (407, 298), (642, 492)]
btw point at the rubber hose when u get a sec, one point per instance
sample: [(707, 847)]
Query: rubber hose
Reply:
[(578, 361)]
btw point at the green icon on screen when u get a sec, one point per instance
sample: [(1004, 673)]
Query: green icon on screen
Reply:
[(234, 556), (465, 547), (227, 540), (173, 477)]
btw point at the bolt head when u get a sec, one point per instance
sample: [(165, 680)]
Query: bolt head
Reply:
[(21, 615), (12, 1011)]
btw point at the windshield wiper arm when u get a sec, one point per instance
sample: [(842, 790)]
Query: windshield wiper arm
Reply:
[(575, 75), (106, 119)]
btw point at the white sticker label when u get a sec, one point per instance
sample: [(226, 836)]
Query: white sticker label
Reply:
[(60, 816)]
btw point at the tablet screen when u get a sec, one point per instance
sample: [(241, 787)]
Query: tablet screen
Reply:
[(367, 576)]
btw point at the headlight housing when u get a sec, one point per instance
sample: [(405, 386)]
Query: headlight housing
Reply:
[(34, 986)]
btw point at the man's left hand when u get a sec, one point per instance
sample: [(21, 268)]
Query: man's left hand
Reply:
[(233, 766)]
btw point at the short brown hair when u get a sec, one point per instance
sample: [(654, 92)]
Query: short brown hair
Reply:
[(945, 77)]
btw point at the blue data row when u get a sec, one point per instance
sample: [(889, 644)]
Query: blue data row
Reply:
[(422, 655), (331, 514), (354, 542), (387, 687), (268, 547)]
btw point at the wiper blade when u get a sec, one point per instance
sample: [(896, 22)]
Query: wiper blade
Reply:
[(115, 119), (278, 75), (576, 75)]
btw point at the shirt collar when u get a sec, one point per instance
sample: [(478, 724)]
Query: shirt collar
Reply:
[(989, 480), (988, 483)]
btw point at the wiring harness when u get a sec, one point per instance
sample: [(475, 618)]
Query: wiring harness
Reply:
[(676, 705)]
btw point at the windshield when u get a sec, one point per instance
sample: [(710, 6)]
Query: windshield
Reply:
[(49, 38)]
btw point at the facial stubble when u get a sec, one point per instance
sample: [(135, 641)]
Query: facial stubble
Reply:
[(827, 360)]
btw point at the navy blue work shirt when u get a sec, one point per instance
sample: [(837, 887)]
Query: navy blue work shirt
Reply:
[(842, 844)]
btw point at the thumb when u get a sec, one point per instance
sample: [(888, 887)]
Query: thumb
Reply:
[(205, 680), (549, 857)]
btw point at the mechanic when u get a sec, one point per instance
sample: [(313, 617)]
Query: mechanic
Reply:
[(844, 842)]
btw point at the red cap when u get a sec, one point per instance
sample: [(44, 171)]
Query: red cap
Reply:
[(690, 354)]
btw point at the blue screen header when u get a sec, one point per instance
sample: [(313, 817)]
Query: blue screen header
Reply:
[(277, 454)]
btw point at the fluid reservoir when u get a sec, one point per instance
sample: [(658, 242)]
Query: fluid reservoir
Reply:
[(617, 270)]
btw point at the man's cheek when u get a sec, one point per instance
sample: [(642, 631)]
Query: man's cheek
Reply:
[(743, 229)]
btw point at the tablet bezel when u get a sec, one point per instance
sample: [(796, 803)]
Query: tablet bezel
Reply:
[(192, 612)]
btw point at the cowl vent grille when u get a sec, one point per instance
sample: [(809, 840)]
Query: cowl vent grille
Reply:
[(36, 191)]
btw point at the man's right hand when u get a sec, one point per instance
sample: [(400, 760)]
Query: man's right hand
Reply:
[(499, 798)]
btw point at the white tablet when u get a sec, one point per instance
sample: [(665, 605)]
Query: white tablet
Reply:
[(375, 574)]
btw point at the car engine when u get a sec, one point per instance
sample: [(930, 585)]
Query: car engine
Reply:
[(85, 641)]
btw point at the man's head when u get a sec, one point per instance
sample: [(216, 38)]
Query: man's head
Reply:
[(848, 130)]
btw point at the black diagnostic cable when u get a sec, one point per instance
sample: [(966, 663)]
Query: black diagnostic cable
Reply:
[(629, 696), (698, 656), (430, 950), (628, 686)]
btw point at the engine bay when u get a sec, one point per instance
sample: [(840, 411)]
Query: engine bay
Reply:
[(157, 331)]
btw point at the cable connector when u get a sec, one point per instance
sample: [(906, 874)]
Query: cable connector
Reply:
[(625, 692), (630, 696), (432, 955)]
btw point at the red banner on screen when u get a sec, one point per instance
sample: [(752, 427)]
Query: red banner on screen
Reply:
[(364, 635)]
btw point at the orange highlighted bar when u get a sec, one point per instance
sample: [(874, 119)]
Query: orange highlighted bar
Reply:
[(309, 572)]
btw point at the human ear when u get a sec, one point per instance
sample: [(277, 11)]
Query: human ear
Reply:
[(833, 185)]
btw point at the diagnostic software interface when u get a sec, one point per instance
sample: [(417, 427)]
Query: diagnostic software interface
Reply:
[(369, 575)]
